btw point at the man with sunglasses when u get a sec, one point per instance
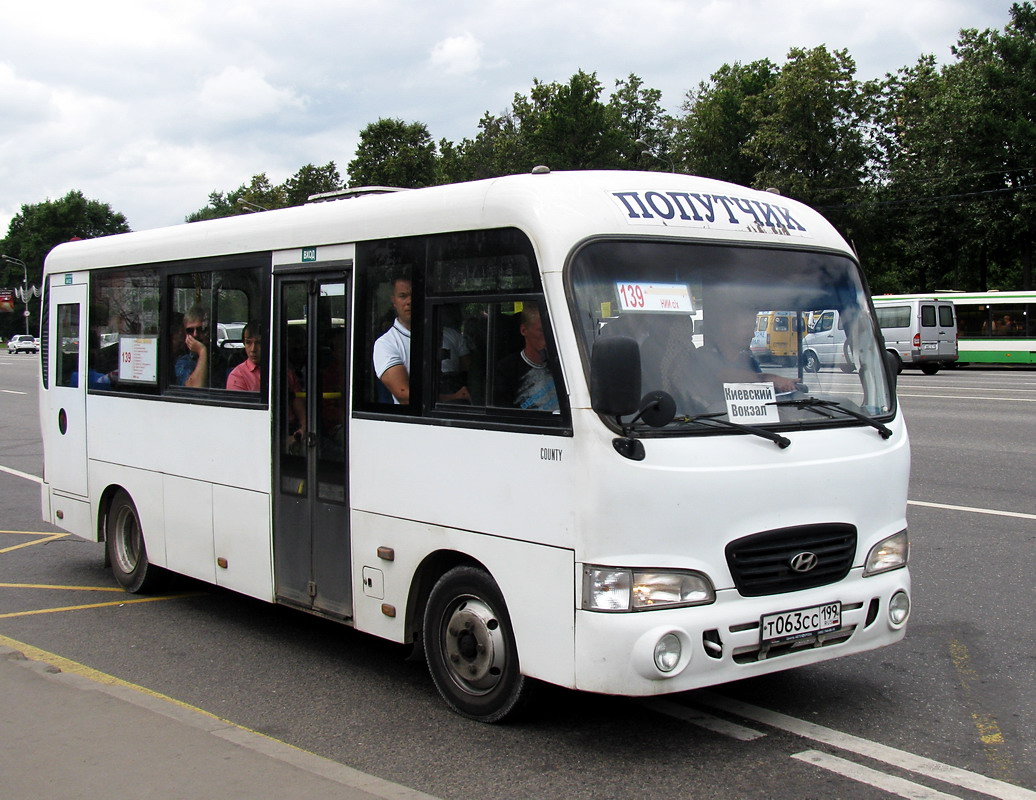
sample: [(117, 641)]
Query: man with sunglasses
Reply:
[(191, 368)]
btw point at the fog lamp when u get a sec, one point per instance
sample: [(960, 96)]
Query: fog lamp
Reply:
[(899, 608), (667, 652)]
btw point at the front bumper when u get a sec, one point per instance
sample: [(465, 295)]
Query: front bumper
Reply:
[(721, 641)]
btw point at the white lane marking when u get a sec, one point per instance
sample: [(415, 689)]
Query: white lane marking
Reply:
[(1014, 387), (872, 777), (970, 397), (864, 747), (11, 391), (702, 720), (18, 474), (994, 512)]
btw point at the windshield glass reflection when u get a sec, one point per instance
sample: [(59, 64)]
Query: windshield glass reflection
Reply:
[(732, 333)]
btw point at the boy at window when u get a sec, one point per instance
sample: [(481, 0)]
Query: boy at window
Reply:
[(245, 376), (523, 379)]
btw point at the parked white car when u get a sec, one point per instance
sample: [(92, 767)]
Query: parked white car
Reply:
[(22, 343)]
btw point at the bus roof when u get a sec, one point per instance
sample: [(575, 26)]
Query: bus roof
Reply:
[(557, 209)]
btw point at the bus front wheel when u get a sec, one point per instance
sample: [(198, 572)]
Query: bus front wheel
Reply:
[(471, 649), (124, 543)]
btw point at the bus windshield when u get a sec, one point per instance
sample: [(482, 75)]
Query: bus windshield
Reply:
[(697, 310)]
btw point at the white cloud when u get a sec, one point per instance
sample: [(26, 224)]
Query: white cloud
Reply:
[(457, 55), (238, 94), (149, 106)]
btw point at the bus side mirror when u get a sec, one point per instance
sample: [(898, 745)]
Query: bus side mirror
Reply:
[(615, 376), (891, 368)]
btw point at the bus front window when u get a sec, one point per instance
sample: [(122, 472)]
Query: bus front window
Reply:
[(734, 332)]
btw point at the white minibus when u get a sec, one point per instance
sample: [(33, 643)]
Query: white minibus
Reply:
[(477, 418), (918, 331)]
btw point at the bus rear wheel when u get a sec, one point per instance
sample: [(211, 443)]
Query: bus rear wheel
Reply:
[(124, 542), (471, 649)]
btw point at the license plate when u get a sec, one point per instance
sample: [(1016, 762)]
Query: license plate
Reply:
[(800, 623), (930, 346)]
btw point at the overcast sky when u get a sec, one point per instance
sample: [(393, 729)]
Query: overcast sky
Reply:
[(149, 105)]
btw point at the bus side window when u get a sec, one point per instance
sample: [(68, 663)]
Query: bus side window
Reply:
[(455, 357), (68, 348), (523, 375), (191, 341), (235, 305), (123, 340)]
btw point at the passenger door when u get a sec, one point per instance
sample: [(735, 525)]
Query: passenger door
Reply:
[(947, 331), (64, 401), (936, 330), (310, 394)]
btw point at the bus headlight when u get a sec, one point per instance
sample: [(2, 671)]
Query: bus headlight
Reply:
[(890, 553), (613, 589)]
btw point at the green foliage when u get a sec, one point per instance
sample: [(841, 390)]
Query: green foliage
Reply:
[(645, 129), (394, 153), (958, 149), (37, 229), (262, 194), (710, 138)]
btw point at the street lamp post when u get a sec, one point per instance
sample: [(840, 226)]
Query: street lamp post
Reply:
[(248, 205), (647, 150), (25, 284)]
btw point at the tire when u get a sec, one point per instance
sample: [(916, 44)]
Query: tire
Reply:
[(470, 647), (929, 368), (810, 362), (898, 360), (125, 549)]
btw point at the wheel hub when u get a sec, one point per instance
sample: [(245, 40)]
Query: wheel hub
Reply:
[(474, 646)]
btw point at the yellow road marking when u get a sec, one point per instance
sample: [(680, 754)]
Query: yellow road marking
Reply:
[(67, 665), (34, 533), (989, 732), (52, 586), (74, 667), (95, 605), (48, 537)]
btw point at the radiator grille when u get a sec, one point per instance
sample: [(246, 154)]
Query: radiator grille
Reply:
[(761, 564)]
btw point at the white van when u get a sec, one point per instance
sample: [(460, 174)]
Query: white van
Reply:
[(824, 343), (919, 332)]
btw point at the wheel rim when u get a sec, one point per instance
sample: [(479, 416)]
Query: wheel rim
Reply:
[(474, 647), (128, 540)]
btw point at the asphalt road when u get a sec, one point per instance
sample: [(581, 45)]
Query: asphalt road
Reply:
[(949, 712)]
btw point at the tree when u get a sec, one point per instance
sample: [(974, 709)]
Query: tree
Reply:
[(809, 138), (959, 164), (311, 180), (38, 228), (710, 138), (394, 153), (260, 193), (645, 130)]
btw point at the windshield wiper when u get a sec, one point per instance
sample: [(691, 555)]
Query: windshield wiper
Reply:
[(776, 438), (815, 404)]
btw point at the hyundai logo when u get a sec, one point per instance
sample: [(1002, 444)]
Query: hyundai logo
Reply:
[(803, 562)]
